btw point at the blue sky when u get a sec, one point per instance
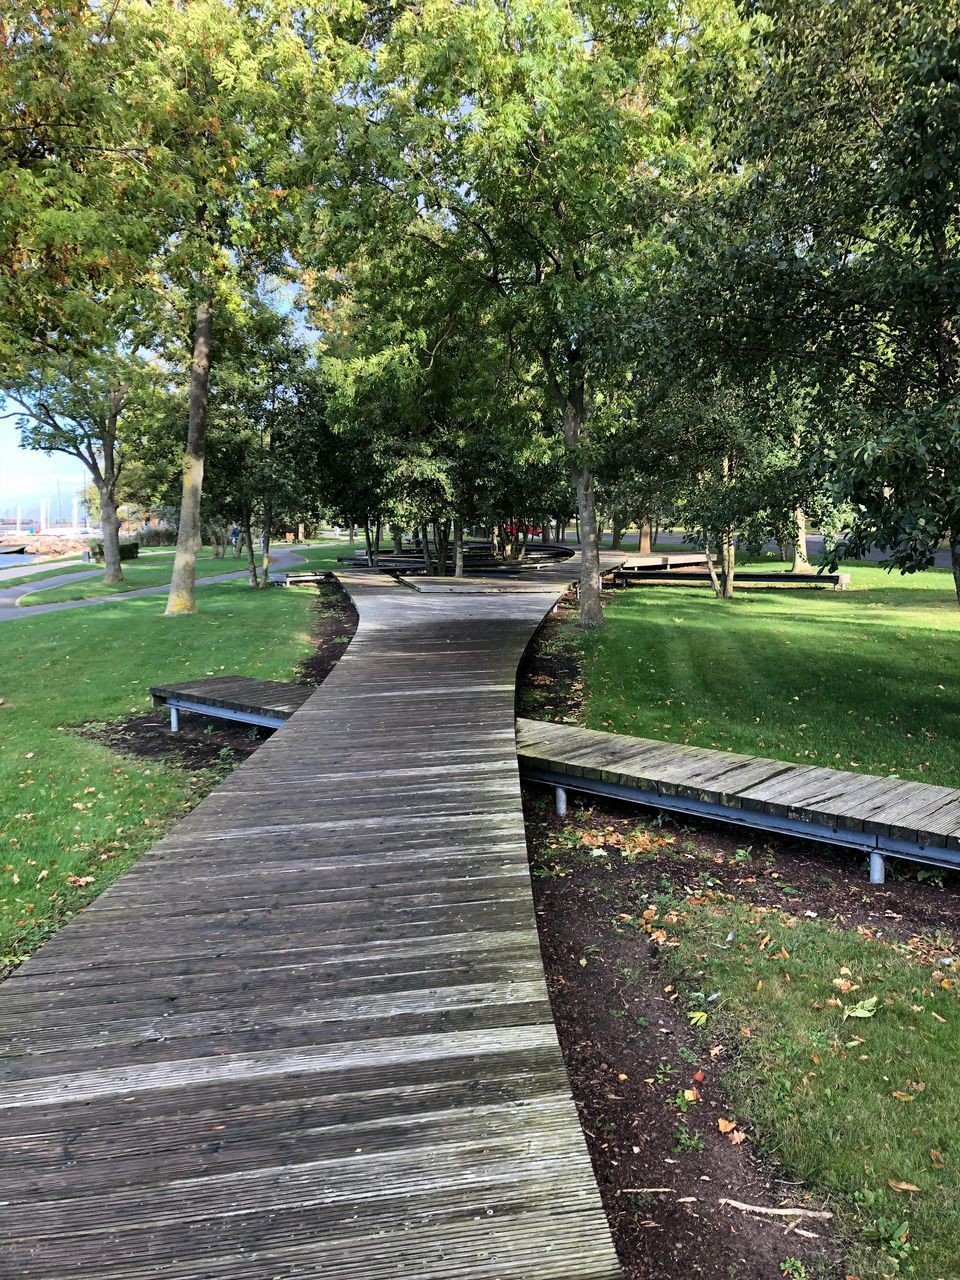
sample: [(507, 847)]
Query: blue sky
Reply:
[(27, 478)]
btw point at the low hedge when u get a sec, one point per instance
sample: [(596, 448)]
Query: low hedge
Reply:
[(128, 551)]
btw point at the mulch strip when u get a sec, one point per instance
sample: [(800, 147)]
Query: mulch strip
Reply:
[(219, 745), (629, 1047)]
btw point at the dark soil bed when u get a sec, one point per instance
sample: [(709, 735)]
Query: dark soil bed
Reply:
[(204, 742), (630, 1049)]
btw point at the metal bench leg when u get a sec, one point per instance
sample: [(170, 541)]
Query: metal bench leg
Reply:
[(878, 868), (174, 720), (561, 797)]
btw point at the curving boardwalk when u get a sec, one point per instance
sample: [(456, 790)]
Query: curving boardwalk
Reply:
[(308, 1034)]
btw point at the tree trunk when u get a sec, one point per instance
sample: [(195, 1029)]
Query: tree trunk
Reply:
[(378, 532), (183, 585), (425, 548), (616, 530), (545, 531), (728, 561), (712, 570), (110, 533), (801, 563), (457, 549), (397, 534), (955, 561), (591, 612), (265, 560), (646, 538), (495, 540), (369, 540), (251, 554), (441, 532)]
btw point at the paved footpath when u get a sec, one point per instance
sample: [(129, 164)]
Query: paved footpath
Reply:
[(308, 1035), (9, 598)]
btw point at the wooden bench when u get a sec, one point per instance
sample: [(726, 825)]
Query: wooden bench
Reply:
[(268, 703), (649, 575), (879, 816)]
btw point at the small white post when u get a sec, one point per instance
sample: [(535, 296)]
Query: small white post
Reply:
[(43, 517), (19, 518), (174, 719), (878, 867), (561, 798)]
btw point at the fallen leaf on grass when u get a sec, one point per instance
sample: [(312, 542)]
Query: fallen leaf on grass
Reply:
[(896, 1185), (936, 1158), (865, 1009), (904, 1097)]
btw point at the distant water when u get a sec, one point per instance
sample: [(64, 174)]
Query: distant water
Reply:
[(13, 562)]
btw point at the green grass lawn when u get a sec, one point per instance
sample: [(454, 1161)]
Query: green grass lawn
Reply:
[(75, 814), (55, 571), (864, 680), (154, 569), (865, 1108)]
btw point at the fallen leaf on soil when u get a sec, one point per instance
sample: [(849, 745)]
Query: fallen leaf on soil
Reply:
[(698, 1076), (726, 1126), (716, 1051), (736, 1138), (901, 1186), (691, 1095)]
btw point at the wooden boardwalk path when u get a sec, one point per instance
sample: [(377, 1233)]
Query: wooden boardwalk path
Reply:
[(878, 815), (308, 1034)]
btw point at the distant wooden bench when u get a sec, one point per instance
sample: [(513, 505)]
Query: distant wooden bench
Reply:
[(880, 816), (649, 575), (307, 578), (269, 703)]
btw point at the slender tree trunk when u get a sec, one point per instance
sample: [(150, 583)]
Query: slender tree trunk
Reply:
[(183, 585), (712, 570), (591, 612), (801, 562), (616, 530), (955, 560), (495, 540), (378, 531), (728, 561), (425, 548), (646, 537), (545, 531), (251, 553), (265, 560), (110, 534), (457, 549), (397, 534), (576, 523), (369, 540)]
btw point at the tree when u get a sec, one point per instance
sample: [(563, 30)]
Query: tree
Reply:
[(526, 156), (95, 411), (840, 253)]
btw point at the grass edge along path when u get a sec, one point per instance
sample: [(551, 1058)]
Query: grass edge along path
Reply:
[(866, 680), (74, 813), (844, 1067)]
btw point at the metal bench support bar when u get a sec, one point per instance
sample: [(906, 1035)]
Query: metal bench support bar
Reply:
[(877, 847), (262, 718)]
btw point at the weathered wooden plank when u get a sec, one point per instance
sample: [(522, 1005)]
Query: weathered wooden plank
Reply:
[(810, 794)]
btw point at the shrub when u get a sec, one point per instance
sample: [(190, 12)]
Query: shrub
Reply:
[(157, 537), (128, 550)]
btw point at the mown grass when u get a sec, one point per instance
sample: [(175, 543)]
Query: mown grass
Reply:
[(865, 1108), (155, 568), (864, 680), (74, 813), (55, 571)]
